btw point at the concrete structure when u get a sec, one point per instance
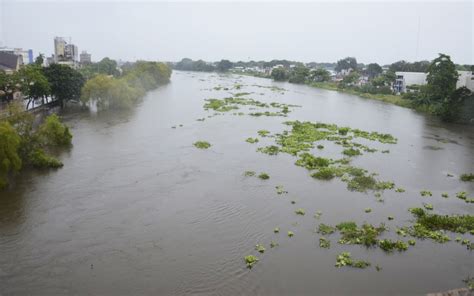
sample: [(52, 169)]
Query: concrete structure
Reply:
[(405, 79), (10, 62), (71, 52), (65, 53), (85, 58), (27, 55), (59, 48)]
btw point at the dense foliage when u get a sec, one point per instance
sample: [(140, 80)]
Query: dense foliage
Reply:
[(108, 92)]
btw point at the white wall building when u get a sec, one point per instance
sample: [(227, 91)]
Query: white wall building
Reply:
[(404, 79)]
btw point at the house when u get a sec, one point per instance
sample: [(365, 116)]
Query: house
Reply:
[(10, 62), (405, 79)]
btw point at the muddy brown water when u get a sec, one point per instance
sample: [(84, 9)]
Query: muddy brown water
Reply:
[(138, 210)]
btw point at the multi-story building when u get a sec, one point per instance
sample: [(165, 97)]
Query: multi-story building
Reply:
[(59, 49), (85, 58), (10, 62), (65, 53), (27, 54)]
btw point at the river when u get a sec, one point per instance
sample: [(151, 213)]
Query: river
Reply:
[(138, 210)]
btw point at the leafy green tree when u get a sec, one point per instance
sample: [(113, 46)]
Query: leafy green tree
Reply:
[(373, 70), (224, 65), (459, 106), (403, 66), (39, 60), (34, 83), (320, 75), (350, 79), (442, 78), (10, 161), (346, 64), (107, 66), (279, 74), (299, 74), (66, 83)]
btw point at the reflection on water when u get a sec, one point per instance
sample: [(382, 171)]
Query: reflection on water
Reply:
[(136, 209)]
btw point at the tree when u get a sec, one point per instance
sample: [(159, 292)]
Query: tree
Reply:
[(9, 84), (34, 83), (224, 65), (403, 66), (299, 74), (107, 66), (459, 106), (10, 161), (279, 74), (351, 78), (346, 64), (373, 70), (320, 75), (442, 78), (66, 83), (39, 60)]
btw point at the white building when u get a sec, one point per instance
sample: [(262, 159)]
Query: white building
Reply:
[(27, 54), (404, 79)]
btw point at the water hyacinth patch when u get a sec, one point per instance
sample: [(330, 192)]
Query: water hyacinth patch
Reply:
[(428, 206), (366, 235), (445, 195), (399, 190), (260, 248), (388, 245), (434, 222), (300, 212), (345, 259), (368, 210), (426, 193), (290, 234), (324, 243), (276, 230), (325, 229), (251, 140), (250, 260), (467, 177), (461, 195), (280, 189), (273, 244), (249, 173), (263, 133), (202, 144), (264, 176)]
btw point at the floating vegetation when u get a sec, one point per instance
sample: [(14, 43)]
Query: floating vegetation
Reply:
[(344, 259), (467, 177), (310, 162), (325, 173), (462, 195), (445, 195), (366, 235), (263, 133), (454, 223), (426, 193), (260, 248), (324, 243), (388, 245), (325, 229), (273, 244), (270, 150), (280, 189), (264, 176), (411, 242), (249, 173), (385, 151), (390, 218), (276, 230), (300, 212), (351, 152), (428, 206), (318, 214), (293, 202), (252, 140), (202, 144), (400, 190), (250, 260), (434, 148), (241, 94), (368, 210), (233, 103), (201, 119), (290, 234)]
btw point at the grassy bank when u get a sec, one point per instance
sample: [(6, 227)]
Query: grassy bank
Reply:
[(392, 99)]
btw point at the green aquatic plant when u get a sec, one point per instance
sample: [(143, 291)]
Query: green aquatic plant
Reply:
[(273, 244), (345, 259), (368, 210), (290, 234), (280, 189), (293, 202), (252, 140), (311, 162), (426, 193), (270, 150), (366, 235), (411, 242), (300, 212), (264, 176), (462, 195), (276, 230), (351, 152), (390, 218), (399, 190), (320, 147), (445, 195), (428, 206), (388, 245), (250, 260), (202, 144), (343, 130), (201, 119), (467, 177), (454, 223), (260, 248), (325, 229), (249, 173), (324, 243), (325, 173), (263, 133), (378, 268), (362, 183), (385, 151), (318, 214)]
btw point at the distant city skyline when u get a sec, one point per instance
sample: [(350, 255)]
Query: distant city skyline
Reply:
[(308, 32)]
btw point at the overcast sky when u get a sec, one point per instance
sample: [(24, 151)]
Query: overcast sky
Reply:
[(381, 32)]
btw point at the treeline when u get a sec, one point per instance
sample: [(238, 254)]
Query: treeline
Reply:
[(109, 92)]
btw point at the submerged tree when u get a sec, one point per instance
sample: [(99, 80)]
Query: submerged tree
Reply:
[(66, 83)]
